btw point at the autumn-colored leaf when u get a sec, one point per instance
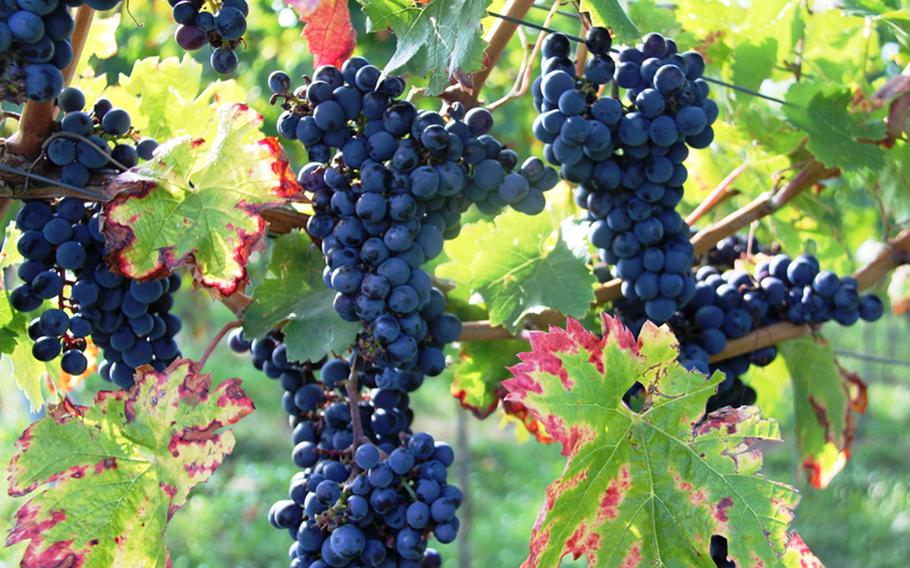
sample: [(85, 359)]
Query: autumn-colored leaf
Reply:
[(105, 480), (642, 488), (328, 29), (826, 399), (198, 203)]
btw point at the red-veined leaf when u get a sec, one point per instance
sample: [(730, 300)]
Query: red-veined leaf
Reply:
[(328, 29), (198, 203), (643, 487)]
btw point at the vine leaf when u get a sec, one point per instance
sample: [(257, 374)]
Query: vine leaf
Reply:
[(437, 39), (105, 480), (328, 30), (519, 266), (837, 137), (753, 62), (609, 13), (199, 204), (479, 370), (19, 365), (293, 290), (649, 488), (826, 397)]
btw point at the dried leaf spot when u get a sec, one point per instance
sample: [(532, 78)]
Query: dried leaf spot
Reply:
[(720, 510), (613, 496), (582, 542), (633, 558)]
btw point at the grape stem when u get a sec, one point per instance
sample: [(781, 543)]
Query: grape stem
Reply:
[(352, 388), (215, 341)]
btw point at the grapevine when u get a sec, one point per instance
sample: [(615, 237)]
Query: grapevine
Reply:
[(622, 229)]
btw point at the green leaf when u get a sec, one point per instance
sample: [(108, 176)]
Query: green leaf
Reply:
[(479, 370), (895, 183), (436, 40), (610, 14), (753, 63), (199, 204), (104, 482), (168, 97), (293, 290), (649, 488), (520, 265), (837, 137), (825, 397), (19, 365), (9, 254)]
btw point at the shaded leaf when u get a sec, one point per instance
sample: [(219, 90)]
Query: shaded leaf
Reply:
[(435, 40), (520, 265), (837, 137), (328, 30), (825, 398), (293, 290), (198, 203), (105, 480), (610, 14), (644, 488), (479, 370)]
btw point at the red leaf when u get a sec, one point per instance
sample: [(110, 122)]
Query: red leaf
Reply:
[(328, 30)]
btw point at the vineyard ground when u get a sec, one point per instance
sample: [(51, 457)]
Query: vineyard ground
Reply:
[(865, 508)]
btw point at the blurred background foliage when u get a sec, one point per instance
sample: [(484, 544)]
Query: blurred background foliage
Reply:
[(863, 518)]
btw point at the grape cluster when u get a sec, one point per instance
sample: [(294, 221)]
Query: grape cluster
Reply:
[(222, 29), (102, 138), (396, 188), (64, 262), (374, 244), (376, 506), (448, 162), (35, 46), (734, 303), (628, 161)]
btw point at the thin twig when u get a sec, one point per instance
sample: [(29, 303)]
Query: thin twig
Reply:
[(215, 341), (523, 80), (718, 195)]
